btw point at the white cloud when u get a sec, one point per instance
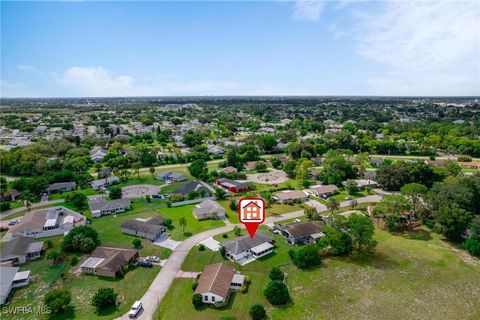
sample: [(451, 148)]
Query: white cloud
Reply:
[(308, 10), (426, 48)]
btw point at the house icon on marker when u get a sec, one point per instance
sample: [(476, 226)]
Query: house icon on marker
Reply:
[(251, 211)]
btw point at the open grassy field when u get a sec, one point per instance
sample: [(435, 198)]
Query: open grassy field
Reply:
[(406, 279), (46, 276)]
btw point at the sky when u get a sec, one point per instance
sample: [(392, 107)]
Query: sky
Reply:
[(345, 47)]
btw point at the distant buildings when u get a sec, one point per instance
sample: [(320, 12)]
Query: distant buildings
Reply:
[(97, 154), (233, 185), (289, 196), (170, 176), (104, 183), (323, 190), (195, 186), (60, 187)]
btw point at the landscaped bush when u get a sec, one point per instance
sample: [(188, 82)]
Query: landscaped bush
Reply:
[(4, 206), (115, 192), (103, 298), (276, 274), (197, 300), (58, 300), (176, 197), (201, 247), (194, 285), (277, 293), (305, 257), (472, 246), (137, 243), (74, 261), (257, 312)]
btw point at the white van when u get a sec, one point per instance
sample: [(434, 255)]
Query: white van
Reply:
[(137, 306)]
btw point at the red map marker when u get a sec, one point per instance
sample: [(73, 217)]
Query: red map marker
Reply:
[(251, 212)]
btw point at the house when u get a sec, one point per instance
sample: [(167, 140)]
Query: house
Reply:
[(10, 195), (233, 185), (245, 249), (289, 196), (196, 186), (313, 173), (150, 229), (250, 165), (60, 187), (217, 281), (170, 176), (302, 232), (103, 183), (215, 150), (251, 211), (364, 183), (11, 278), (209, 209), (109, 261), (20, 250), (228, 170), (470, 165), (47, 222), (97, 153), (100, 207), (323, 190)]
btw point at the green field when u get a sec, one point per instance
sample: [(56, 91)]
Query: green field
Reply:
[(46, 276), (406, 279)]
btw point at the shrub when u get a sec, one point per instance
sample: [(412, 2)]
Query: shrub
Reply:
[(472, 246), (197, 300), (74, 261), (77, 199), (58, 300), (168, 223), (305, 257), (233, 205), (257, 312), (148, 198), (237, 231), (104, 297), (176, 197), (4, 206), (277, 293), (194, 285), (464, 158), (223, 251), (201, 247), (276, 274), (137, 243), (115, 192), (49, 244), (225, 235)]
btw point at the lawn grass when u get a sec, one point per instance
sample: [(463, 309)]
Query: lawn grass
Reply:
[(405, 279), (14, 205), (343, 194)]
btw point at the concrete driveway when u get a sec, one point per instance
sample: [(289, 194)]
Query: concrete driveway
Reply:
[(167, 242), (211, 244)]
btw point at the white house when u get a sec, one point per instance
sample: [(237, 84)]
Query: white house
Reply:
[(100, 206)]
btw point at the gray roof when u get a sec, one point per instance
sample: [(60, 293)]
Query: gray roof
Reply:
[(61, 185), (101, 182), (102, 204), (143, 226), (7, 274), (171, 175), (245, 243), (191, 186), (20, 246), (208, 206)]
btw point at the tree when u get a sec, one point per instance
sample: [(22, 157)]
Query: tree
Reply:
[(452, 167), (361, 230), (136, 168), (332, 205), (115, 192), (257, 312), (103, 298), (54, 256), (58, 300), (414, 193), (77, 199), (351, 187), (302, 170), (290, 168), (277, 293), (353, 204), (197, 300), (198, 168), (137, 243), (338, 242), (336, 169), (392, 208), (266, 142), (305, 257), (237, 231), (220, 194), (192, 138), (453, 221), (276, 274), (183, 223), (152, 170), (233, 205), (310, 212), (81, 239), (472, 246)]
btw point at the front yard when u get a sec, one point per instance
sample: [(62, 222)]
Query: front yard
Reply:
[(405, 279)]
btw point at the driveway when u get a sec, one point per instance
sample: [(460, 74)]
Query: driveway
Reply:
[(167, 242), (316, 204), (211, 244)]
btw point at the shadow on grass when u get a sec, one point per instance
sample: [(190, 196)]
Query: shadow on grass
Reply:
[(188, 234), (107, 311), (418, 234), (376, 260), (69, 313)]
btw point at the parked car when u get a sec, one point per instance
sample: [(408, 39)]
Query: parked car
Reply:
[(145, 263), (348, 198), (137, 306), (13, 222), (153, 259), (157, 196)]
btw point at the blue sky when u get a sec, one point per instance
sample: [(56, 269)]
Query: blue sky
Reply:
[(62, 49)]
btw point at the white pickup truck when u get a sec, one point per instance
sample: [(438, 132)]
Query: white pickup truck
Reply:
[(137, 306)]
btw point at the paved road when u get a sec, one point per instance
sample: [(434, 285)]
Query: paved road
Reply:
[(34, 205)]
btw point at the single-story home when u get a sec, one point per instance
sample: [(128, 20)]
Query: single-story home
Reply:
[(20, 250), (47, 222), (10, 195), (245, 249), (150, 229), (11, 278), (170, 176), (60, 187), (100, 207), (196, 186), (228, 170), (302, 232), (108, 261), (289, 196), (363, 183), (215, 150), (97, 153), (217, 281), (233, 185), (103, 183), (209, 209), (323, 190), (250, 165)]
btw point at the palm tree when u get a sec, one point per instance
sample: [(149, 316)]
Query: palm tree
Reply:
[(353, 204), (333, 204), (183, 222)]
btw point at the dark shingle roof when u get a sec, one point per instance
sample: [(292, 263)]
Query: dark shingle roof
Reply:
[(245, 243)]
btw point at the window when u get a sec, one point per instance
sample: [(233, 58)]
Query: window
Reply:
[(213, 299), (205, 298)]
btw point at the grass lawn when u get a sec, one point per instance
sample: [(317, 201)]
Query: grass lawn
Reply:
[(63, 195), (343, 194), (14, 205), (46, 276), (405, 279)]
